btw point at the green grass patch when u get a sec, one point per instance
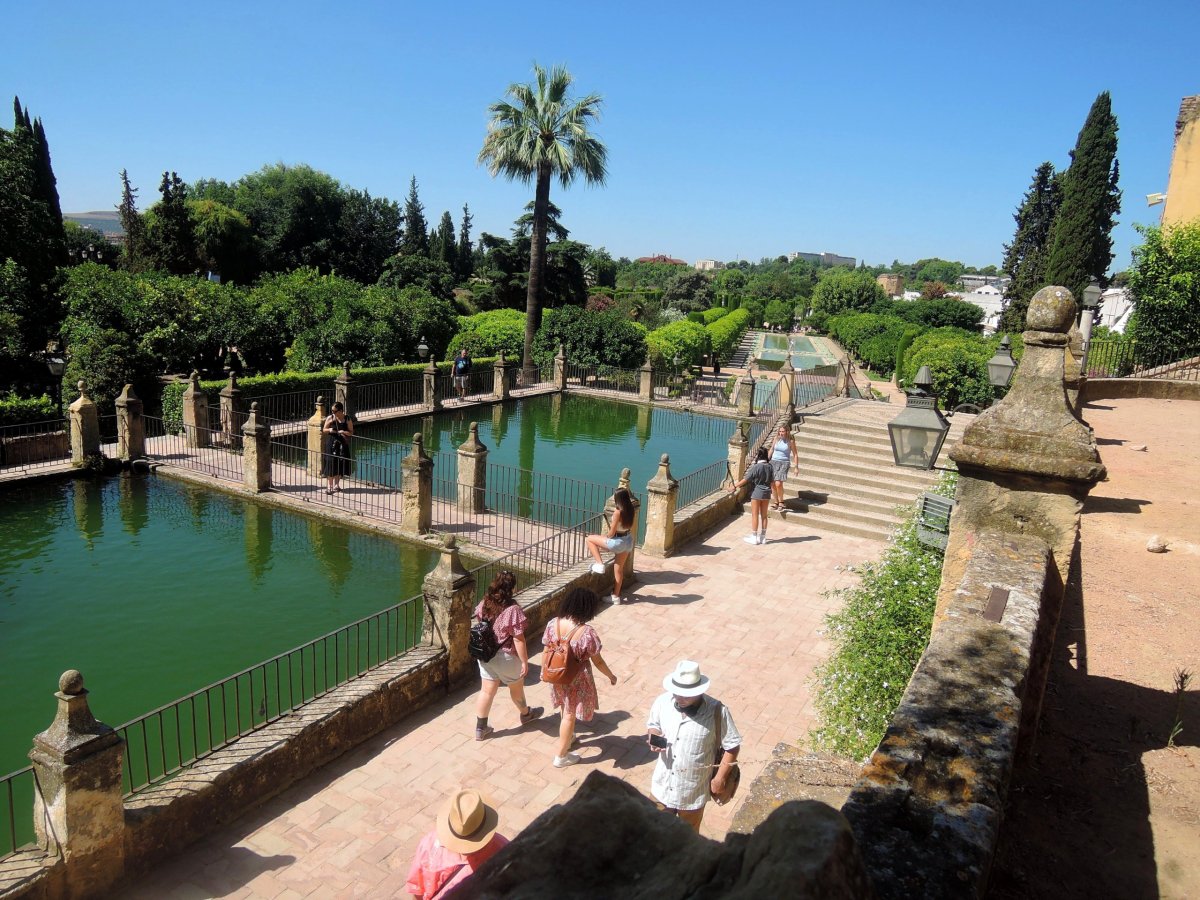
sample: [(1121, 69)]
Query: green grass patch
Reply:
[(878, 636)]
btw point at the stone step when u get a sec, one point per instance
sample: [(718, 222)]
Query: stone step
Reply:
[(880, 492), (824, 520), (847, 466), (805, 500)]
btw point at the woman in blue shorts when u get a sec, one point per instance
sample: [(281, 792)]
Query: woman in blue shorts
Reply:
[(783, 457), (619, 540)]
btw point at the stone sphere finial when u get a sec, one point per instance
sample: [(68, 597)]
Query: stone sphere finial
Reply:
[(664, 459), (82, 386), (254, 407), (449, 542), (71, 682), (1051, 309)]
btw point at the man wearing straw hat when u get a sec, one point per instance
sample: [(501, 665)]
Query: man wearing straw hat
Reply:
[(463, 840), (684, 729)]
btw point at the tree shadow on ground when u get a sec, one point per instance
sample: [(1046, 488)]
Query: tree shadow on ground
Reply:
[(673, 600), (1123, 505)]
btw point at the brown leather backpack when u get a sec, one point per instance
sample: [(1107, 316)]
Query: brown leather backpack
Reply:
[(560, 665)]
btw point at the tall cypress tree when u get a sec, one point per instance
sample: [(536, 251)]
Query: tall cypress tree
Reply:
[(1025, 258), (416, 232), (1081, 241), (447, 249), (465, 256), (134, 226), (171, 242)]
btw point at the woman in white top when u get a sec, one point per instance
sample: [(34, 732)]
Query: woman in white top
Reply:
[(783, 457)]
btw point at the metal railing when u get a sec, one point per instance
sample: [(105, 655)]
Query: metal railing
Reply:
[(173, 737), (34, 445), (814, 385), (1133, 359), (220, 459), (370, 486), (17, 790), (543, 487), (406, 394), (699, 484), (717, 394), (294, 406), (480, 386), (548, 557), (604, 379)]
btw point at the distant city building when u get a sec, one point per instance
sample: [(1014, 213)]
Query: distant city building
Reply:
[(1116, 305), (1183, 184), (708, 265), (990, 299), (892, 284), (972, 282), (669, 260), (824, 259)]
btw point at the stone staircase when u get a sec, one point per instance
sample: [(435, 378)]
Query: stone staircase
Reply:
[(848, 481), (741, 356)]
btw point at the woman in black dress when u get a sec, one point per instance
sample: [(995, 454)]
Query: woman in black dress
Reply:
[(336, 459)]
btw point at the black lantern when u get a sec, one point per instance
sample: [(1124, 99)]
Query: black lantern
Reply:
[(423, 348), (1091, 295), (917, 434), (56, 361), (1001, 366)]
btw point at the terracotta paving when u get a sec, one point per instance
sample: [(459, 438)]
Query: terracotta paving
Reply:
[(751, 615)]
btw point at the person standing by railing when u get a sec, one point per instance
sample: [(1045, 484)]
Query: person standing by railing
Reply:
[(759, 476), (619, 540), (335, 463), (462, 372), (783, 457), (510, 665)]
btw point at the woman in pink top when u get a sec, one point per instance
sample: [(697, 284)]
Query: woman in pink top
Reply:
[(510, 665)]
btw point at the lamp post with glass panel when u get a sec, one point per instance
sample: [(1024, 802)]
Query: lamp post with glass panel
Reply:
[(917, 434)]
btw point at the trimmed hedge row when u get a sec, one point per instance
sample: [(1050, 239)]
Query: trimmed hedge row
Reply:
[(711, 315), (683, 339), (725, 333), (23, 410)]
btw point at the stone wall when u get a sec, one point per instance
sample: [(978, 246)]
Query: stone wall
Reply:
[(708, 512), (31, 448), (1150, 388)]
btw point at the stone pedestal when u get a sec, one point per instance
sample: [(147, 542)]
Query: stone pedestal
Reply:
[(787, 384), (343, 390), (195, 414), (646, 382), (745, 396), (472, 473), (739, 452), (232, 416), (661, 494), (841, 386), (450, 598), (78, 811), (315, 439), (610, 510), (131, 427), (560, 369), (500, 377), (429, 384), (416, 479), (85, 427), (256, 454), (1073, 367)]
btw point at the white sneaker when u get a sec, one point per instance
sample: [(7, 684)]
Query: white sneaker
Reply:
[(615, 600), (561, 762), (762, 538), (598, 568), (751, 538)]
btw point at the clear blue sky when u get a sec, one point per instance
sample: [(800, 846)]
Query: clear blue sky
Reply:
[(874, 130)]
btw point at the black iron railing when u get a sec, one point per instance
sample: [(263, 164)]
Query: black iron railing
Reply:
[(17, 791), (699, 484), (175, 445), (34, 445), (1134, 359)]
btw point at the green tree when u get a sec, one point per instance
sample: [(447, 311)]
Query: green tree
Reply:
[(415, 241), (368, 234), (600, 270), (1081, 240), (779, 314), (133, 256), (840, 289), (1025, 258), (444, 246), (464, 256), (538, 133), (523, 226), (224, 239), (432, 275), (591, 338), (170, 235), (1165, 281), (689, 291)]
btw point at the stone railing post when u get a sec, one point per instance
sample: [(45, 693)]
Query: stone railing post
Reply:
[(343, 390), (646, 382), (416, 485), (560, 368), (429, 382), (450, 595), (745, 395), (195, 414), (85, 427), (316, 440), (610, 509), (256, 452), (472, 472), (231, 413), (78, 812), (1073, 367), (787, 385), (500, 377), (662, 491), (131, 427), (841, 386), (739, 452)]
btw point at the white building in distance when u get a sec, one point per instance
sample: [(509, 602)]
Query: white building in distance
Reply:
[(708, 265)]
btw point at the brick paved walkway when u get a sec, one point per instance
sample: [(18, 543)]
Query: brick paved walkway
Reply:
[(751, 615)]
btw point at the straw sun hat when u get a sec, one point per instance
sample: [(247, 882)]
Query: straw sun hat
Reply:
[(467, 822)]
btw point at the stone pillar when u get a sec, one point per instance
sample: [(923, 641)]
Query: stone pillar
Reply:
[(429, 381), (256, 452), (1085, 333), (646, 382), (85, 427), (416, 480), (450, 598), (745, 395), (343, 390), (610, 509), (661, 494), (472, 473), (195, 414), (841, 387), (78, 813), (131, 427), (1073, 367), (231, 413), (316, 440), (560, 369), (739, 452), (787, 385), (1026, 464), (500, 377)]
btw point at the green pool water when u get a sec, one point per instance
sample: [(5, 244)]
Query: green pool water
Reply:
[(154, 588), (773, 352)]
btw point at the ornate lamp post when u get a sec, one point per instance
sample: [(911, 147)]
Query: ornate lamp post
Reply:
[(56, 361), (917, 434), (1092, 295), (423, 349), (1001, 365)]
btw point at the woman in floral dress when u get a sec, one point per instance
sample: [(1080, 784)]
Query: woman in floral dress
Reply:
[(578, 699)]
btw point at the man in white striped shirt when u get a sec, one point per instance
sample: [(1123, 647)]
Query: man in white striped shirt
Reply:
[(683, 732)]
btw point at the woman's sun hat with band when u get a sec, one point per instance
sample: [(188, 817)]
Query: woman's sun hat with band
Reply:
[(467, 822), (686, 680)]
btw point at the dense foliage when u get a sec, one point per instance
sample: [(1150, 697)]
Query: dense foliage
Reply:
[(490, 333), (1165, 281), (1025, 258), (841, 290), (725, 333), (590, 338), (683, 341), (22, 410)]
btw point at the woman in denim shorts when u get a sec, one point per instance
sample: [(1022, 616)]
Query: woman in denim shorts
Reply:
[(618, 541), (510, 665)]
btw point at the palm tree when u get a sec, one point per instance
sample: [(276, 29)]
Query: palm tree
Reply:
[(536, 133)]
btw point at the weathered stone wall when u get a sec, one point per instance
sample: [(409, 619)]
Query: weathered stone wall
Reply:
[(31, 448), (1149, 388), (694, 520)]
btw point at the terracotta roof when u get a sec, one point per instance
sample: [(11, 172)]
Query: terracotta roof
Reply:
[(661, 259)]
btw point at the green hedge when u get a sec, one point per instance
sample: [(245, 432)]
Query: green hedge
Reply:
[(488, 333), (711, 315), (684, 339), (23, 410), (726, 332)]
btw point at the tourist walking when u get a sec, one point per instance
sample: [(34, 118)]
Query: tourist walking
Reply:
[(685, 728), (510, 664), (619, 541), (759, 476), (335, 462), (577, 699), (463, 839), (783, 457), (462, 371)]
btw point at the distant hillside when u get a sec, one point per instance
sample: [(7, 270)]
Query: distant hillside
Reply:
[(107, 221)]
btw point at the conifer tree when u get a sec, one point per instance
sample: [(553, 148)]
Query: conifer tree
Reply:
[(416, 232), (1081, 240), (465, 256), (1025, 258), (171, 242), (134, 256), (443, 240)]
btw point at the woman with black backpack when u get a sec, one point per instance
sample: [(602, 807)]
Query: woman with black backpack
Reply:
[(499, 635)]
